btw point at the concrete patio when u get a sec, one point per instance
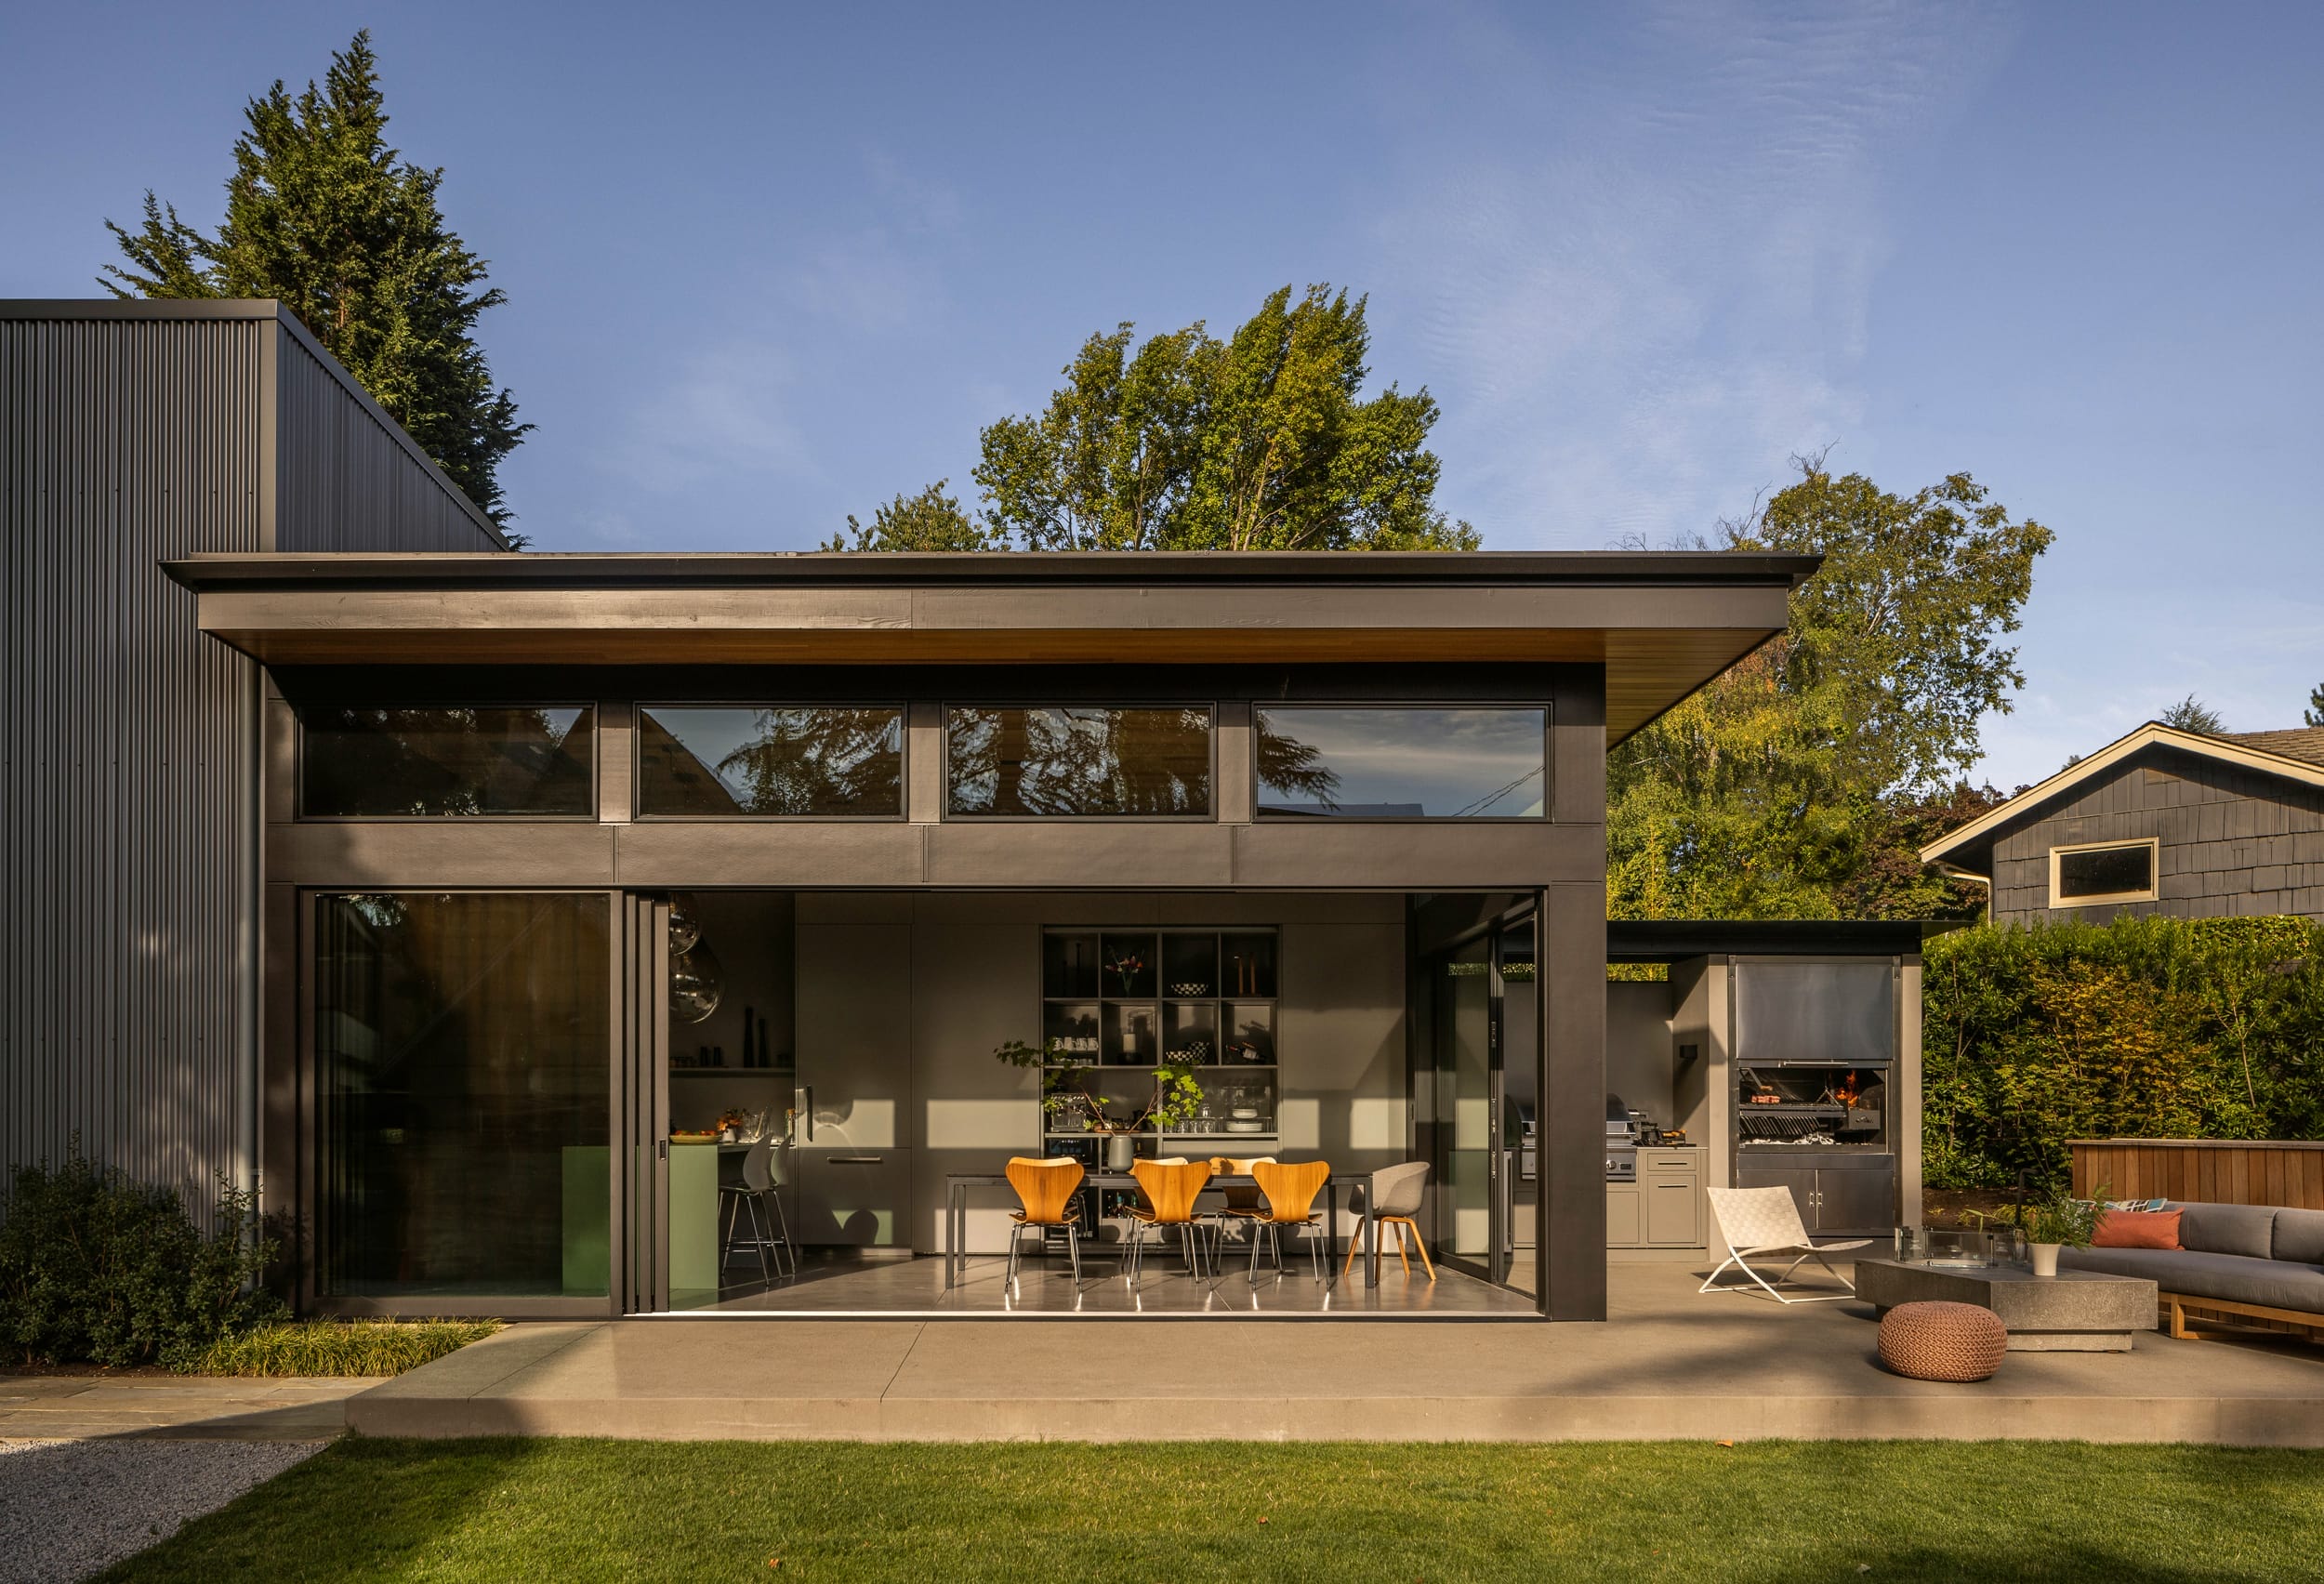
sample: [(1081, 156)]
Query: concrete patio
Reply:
[(74, 1407), (1666, 1364)]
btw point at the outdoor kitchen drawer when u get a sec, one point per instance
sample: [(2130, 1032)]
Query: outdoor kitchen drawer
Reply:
[(1668, 1160), (1670, 1187)]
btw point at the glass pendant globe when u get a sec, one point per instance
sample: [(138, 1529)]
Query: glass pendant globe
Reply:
[(695, 985)]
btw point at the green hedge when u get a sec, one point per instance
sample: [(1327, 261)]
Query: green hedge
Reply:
[(2142, 1028), (96, 1267), (338, 1347)]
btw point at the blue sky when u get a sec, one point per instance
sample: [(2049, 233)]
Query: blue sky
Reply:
[(768, 266)]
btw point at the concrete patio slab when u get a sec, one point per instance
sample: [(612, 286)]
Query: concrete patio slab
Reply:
[(1671, 1364), (53, 1407)]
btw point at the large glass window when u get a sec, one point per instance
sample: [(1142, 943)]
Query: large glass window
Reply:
[(1388, 763), (462, 1051), (810, 760), (492, 759), (1078, 760)]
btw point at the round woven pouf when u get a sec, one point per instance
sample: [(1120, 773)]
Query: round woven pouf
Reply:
[(1942, 1342)]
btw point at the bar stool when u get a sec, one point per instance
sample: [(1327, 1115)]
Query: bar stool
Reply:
[(1169, 1189), (1290, 1190), (1045, 1189), (759, 1194)]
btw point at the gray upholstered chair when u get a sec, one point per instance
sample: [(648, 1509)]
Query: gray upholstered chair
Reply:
[(1394, 1197)]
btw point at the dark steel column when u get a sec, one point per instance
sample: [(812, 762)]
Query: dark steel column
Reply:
[(1570, 1240)]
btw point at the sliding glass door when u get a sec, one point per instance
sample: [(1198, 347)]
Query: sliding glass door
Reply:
[(463, 1068), (1482, 1001)]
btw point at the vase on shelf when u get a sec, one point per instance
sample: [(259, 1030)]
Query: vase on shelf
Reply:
[(1121, 1151), (2045, 1258)]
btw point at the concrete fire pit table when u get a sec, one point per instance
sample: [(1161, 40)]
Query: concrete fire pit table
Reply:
[(2072, 1311)]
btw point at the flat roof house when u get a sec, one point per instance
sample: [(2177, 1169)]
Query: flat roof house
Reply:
[(2160, 821), (460, 897)]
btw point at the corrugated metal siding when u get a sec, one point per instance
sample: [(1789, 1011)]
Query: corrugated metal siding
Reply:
[(349, 480), (127, 873)]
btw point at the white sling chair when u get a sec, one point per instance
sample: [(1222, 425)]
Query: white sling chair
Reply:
[(1764, 1224)]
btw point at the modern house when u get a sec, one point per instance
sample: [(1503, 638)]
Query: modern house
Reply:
[(2162, 821), (455, 897)]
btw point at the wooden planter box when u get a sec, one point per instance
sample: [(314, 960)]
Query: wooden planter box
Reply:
[(2219, 1171)]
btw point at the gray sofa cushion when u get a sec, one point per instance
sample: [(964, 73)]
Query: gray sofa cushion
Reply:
[(2248, 1229), (2299, 1235), (2275, 1283)]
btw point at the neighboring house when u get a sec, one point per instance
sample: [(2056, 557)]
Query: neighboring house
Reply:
[(450, 895), (2165, 822)]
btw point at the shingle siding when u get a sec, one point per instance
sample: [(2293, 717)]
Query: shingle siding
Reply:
[(2232, 841)]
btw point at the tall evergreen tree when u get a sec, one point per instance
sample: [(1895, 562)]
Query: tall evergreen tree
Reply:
[(321, 213)]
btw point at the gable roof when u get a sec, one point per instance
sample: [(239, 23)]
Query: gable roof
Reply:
[(2296, 755)]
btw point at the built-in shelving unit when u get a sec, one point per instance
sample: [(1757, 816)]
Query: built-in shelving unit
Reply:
[(1132, 999)]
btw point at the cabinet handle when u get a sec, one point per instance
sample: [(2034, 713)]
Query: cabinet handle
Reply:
[(856, 1160)]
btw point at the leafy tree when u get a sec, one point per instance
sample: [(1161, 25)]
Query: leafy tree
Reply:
[(929, 520), (323, 215), (2191, 714), (2314, 714), (1790, 786), (1259, 442)]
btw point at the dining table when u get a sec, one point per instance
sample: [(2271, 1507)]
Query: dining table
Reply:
[(959, 1185)]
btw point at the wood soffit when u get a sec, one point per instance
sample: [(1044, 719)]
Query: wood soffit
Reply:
[(1661, 623)]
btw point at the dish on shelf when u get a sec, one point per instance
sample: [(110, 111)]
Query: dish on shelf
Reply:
[(1240, 1126), (1189, 987)]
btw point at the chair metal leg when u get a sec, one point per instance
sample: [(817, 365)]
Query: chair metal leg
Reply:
[(1016, 1237), (758, 1239), (1073, 1247), (783, 1232)]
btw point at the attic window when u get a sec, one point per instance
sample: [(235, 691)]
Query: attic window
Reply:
[(2103, 872)]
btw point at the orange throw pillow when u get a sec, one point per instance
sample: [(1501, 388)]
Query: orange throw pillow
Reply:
[(2137, 1229)]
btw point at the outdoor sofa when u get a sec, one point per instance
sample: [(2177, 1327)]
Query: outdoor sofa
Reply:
[(2251, 1259)]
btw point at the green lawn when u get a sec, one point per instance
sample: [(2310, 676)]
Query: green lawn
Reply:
[(1774, 1511)]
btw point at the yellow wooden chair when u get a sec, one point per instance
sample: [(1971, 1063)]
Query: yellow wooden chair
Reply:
[(1045, 1188), (1291, 1189), (1169, 1188)]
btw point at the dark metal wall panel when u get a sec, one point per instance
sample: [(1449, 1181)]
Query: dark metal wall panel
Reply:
[(128, 873), (349, 479)]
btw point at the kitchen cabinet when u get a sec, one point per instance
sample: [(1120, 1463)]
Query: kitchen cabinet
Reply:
[(1625, 1215), (1847, 1193), (854, 1020), (1664, 1207)]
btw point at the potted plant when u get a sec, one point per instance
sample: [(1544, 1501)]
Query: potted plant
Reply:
[(2060, 1221)]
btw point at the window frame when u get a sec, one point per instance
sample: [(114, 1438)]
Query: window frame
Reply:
[(1260, 815), (2154, 873), (904, 761), (946, 816), (597, 760)]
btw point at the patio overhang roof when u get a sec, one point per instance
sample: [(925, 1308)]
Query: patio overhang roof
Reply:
[(1661, 623)]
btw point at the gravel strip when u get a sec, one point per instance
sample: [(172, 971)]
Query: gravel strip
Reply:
[(70, 1508)]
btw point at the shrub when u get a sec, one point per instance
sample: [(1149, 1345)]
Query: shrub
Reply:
[(96, 1267), (2141, 1028), (338, 1347)]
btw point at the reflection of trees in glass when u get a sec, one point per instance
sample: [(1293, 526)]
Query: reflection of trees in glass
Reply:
[(1293, 768), (1080, 762), (461, 760), (791, 760)]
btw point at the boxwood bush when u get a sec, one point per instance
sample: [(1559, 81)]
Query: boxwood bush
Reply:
[(96, 1267), (2145, 1027)]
